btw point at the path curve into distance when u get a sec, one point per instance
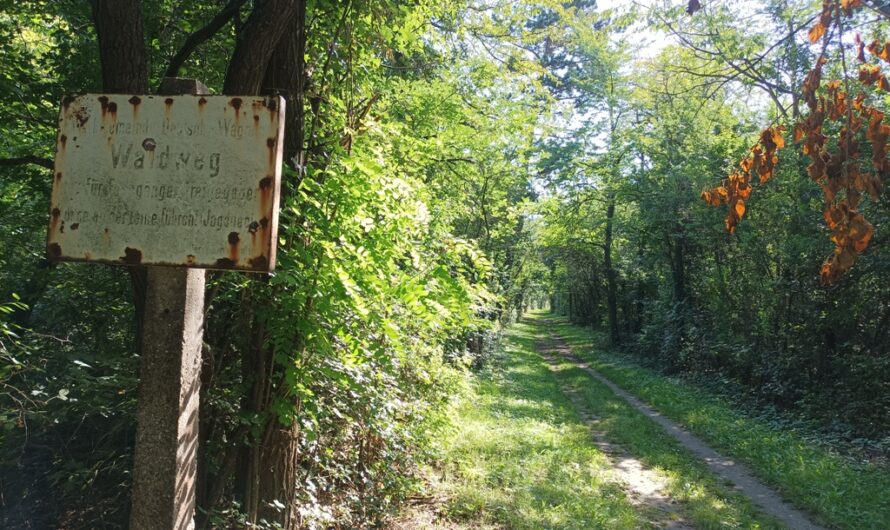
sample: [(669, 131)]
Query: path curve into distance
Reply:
[(741, 478)]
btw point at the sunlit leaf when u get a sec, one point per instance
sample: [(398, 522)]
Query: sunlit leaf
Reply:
[(816, 32)]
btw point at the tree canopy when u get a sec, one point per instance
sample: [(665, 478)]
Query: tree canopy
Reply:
[(449, 165)]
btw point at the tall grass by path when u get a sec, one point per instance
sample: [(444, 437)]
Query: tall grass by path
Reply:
[(836, 491), (521, 457)]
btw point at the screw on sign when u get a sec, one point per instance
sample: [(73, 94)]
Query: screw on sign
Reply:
[(177, 183)]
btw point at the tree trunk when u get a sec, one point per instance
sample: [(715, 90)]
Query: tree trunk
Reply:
[(261, 58), (258, 41), (286, 76), (121, 46), (122, 56), (678, 265), (269, 59), (611, 292)]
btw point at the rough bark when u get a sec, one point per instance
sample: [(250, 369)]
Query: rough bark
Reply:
[(121, 46), (278, 473), (256, 44), (286, 76), (256, 368), (269, 59)]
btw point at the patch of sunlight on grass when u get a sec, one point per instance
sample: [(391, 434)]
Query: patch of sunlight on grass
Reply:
[(838, 492), (706, 501), (521, 458)]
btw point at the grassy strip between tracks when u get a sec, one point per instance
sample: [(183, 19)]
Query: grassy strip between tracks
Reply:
[(521, 457), (836, 491)]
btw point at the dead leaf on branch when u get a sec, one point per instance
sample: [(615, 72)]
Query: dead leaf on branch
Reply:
[(836, 168), (736, 189), (850, 5), (870, 74), (816, 32), (881, 51), (821, 26)]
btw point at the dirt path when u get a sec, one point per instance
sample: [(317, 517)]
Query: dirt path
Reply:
[(644, 487), (741, 478)]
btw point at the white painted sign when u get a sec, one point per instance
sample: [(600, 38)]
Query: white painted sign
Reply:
[(168, 180)]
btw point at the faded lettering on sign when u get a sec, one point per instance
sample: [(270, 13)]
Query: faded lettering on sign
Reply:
[(160, 180)]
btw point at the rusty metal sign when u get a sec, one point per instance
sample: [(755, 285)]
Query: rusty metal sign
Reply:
[(168, 180)]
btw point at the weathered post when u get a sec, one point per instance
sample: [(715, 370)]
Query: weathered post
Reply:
[(165, 467), (179, 182), (165, 459)]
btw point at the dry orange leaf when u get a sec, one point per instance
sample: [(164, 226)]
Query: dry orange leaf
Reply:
[(777, 138), (816, 32), (881, 51)]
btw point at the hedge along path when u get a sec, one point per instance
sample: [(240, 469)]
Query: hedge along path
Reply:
[(644, 486), (742, 479)]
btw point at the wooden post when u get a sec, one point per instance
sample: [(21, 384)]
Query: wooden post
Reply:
[(165, 463), (178, 183)]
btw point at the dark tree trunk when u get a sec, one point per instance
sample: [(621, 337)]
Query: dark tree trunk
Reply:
[(611, 287), (571, 305), (258, 370), (258, 41), (286, 76), (639, 296), (260, 60), (121, 46), (678, 266), (268, 58), (279, 451), (124, 71)]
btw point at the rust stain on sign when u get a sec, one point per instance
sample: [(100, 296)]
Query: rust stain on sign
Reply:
[(168, 181)]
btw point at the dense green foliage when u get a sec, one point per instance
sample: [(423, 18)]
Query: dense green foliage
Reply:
[(448, 165), (632, 249), (384, 291)]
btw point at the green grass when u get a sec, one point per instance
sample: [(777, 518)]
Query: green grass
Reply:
[(708, 502), (834, 490), (521, 457)]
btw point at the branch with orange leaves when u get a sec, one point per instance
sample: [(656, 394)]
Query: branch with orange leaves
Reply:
[(736, 188), (837, 170)]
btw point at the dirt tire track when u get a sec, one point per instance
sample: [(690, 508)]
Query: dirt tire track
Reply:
[(743, 481), (644, 487)]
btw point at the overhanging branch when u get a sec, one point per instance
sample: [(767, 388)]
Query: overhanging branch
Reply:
[(202, 35), (29, 159)]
